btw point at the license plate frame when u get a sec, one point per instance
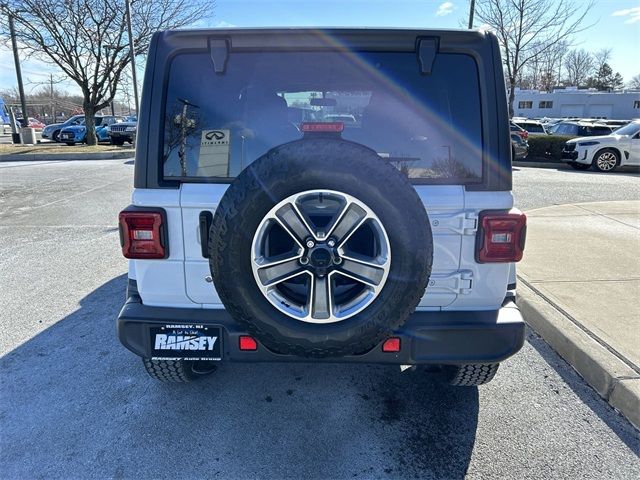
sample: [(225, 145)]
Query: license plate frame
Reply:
[(185, 342)]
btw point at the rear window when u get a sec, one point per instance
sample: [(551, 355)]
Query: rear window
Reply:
[(585, 131), (532, 127), (428, 126)]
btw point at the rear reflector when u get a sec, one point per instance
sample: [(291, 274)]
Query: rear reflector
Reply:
[(248, 343), (391, 345), (334, 127), (501, 236), (142, 234)]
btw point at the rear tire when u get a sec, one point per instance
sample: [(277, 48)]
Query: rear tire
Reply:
[(580, 166), (71, 144), (472, 375), (116, 142), (177, 371)]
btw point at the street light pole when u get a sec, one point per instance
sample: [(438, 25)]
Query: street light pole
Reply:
[(133, 58), (14, 44)]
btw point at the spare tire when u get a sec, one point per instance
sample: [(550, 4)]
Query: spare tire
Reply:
[(320, 248)]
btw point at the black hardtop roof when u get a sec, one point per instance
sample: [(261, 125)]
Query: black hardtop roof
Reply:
[(310, 37)]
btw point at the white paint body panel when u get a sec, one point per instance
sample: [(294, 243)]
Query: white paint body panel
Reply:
[(457, 281)]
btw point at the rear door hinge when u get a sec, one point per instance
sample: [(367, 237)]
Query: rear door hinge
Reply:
[(460, 283), (463, 223)]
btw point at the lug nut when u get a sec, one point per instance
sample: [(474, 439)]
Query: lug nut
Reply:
[(310, 244), (304, 261), (331, 243), (337, 260)]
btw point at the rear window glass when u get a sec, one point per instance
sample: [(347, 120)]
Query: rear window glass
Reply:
[(428, 126), (532, 127)]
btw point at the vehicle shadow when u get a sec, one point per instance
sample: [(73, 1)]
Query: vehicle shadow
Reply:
[(75, 403)]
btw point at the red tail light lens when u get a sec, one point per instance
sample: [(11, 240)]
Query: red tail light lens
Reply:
[(523, 134), (501, 236), (333, 127), (142, 234)]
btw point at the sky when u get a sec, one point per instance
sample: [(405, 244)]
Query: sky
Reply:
[(612, 24)]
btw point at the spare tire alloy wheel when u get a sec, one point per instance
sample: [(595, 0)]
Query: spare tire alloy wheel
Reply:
[(320, 248), (319, 278)]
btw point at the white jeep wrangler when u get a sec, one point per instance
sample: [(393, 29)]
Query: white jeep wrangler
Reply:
[(264, 228)]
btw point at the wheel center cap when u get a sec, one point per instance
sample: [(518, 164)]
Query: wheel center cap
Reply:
[(321, 257)]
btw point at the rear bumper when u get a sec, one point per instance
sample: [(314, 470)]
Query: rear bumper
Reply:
[(456, 337)]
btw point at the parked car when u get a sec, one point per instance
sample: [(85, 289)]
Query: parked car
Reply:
[(533, 127), (78, 133), (519, 147), (607, 152), (124, 131), (52, 131), (615, 123), (580, 129), (251, 239), (519, 131), (33, 123)]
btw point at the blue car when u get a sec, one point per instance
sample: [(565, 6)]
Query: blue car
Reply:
[(78, 133), (52, 132)]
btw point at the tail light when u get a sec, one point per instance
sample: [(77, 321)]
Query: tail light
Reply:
[(143, 234), (501, 236), (523, 134)]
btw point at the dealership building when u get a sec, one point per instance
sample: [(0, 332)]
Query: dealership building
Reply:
[(573, 102)]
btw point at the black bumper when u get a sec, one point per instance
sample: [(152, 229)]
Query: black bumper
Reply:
[(569, 155), (456, 337), (122, 135)]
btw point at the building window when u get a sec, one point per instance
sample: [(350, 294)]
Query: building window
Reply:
[(636, 104), (545, 104), (525, 104)]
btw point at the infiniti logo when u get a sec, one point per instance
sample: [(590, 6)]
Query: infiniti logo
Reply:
[(214, 134)]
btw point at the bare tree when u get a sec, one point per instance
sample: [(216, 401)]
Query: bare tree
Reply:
[(87, 39), (601, 58), (634, 82), (579, 65), (523, 24)]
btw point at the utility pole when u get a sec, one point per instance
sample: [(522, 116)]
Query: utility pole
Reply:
[(472, 9), (133, 57), (14, 44), (53, 107)]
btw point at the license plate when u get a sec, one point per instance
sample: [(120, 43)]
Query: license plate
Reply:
[(189, 342), (66, 135)]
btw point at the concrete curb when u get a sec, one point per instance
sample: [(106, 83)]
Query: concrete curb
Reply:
[(48, 157), (613, 379)]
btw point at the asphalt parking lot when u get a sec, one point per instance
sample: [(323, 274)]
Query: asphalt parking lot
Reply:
[(75, 404)]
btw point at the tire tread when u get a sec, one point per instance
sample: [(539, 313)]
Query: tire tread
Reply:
[(473, 375)]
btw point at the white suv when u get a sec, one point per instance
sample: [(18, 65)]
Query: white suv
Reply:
[(390, 238), (607, 152)]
